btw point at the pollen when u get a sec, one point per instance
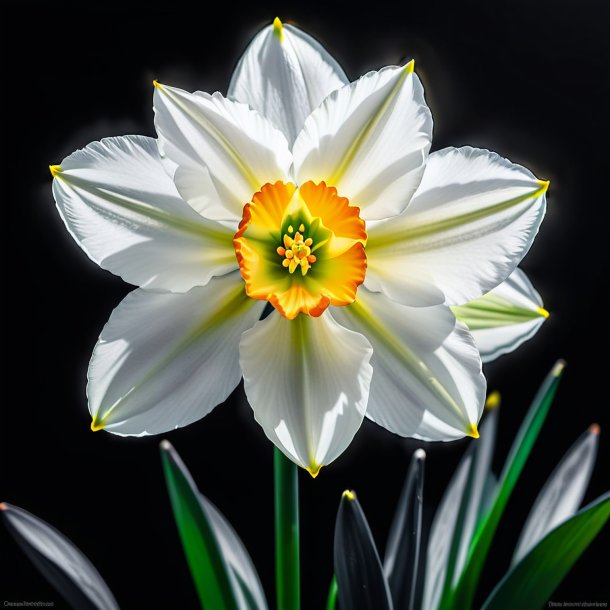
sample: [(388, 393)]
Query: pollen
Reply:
[(296, 251)]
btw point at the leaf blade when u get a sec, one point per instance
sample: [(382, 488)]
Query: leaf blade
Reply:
[(59, 560), (532, 580)]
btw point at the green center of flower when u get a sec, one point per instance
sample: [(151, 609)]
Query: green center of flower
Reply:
[(296, 251)]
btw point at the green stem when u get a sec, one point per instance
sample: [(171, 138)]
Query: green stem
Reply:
[(331, 602), (287, 573)]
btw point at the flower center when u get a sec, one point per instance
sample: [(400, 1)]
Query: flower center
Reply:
[(297, 251), (311, 229)]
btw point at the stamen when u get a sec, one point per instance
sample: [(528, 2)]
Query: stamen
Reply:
[(297, 251)]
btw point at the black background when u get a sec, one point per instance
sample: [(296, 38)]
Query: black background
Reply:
[(527, 79)]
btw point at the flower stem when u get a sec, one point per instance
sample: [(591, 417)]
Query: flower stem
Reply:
[(287, 572)]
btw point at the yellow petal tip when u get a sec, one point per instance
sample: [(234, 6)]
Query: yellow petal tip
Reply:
[(544, 184), (278, 28), (97, 424), (349, 495), (558, 368), (493, 401), (410, 67), (157, 85), (543, 312), (473, 431), (314, 470), (55, 170)]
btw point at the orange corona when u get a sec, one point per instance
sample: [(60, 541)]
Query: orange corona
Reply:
[(301, 249)]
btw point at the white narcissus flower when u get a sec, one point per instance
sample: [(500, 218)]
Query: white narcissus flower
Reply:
[(320, 198)]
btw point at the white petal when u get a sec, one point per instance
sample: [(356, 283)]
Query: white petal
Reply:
[(58, 558), (308, 381), (441, 536), (562, 494), (473, 218), (427, 380), (504, 318), (285, 74), (370, 140), (224, 150), (124, 211), (165, 360)]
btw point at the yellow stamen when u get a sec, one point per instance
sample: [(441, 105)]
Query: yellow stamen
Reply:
[(290, 229), (493, 400), (302, 227), (55, 170), (473, 431), (281, 251), (297, 251)]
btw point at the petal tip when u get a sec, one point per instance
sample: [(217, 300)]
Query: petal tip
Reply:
[(3, 506), (278, 29), (157, 85), (55, 170), (558, 368), (543, 312), (165, 445), (410, 67), (493, 401), (473, 431), (314, 470), (349, 495), (544, 185), (594, 429), (97, 424)]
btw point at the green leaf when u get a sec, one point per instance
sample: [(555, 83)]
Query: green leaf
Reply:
[(360, 578), (462, 595), (331, 600), (532, 581), (402, 558), (202, 548), (58, 560)]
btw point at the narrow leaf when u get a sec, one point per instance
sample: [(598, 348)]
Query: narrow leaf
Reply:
[(58, 560), (563, 492), (532, 580), (360, 578), (331, 600), (401, 563), (462, 596), (442, 536), (217, 585)]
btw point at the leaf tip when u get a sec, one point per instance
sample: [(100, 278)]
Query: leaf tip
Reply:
[(493, 400), (560, 365), (419, 455), (165, 445), (349, 495)]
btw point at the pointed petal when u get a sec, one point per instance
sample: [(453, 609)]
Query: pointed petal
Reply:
[(370, 140), (307, 381), (361, 582), (504, 318), (562, 494), (224, 150), (473, 218), (285, 74), (124, 211), (165, 360), (428, 382), (58, 559)]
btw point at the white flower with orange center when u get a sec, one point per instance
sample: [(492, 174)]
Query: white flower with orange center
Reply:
[(319, 197)]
